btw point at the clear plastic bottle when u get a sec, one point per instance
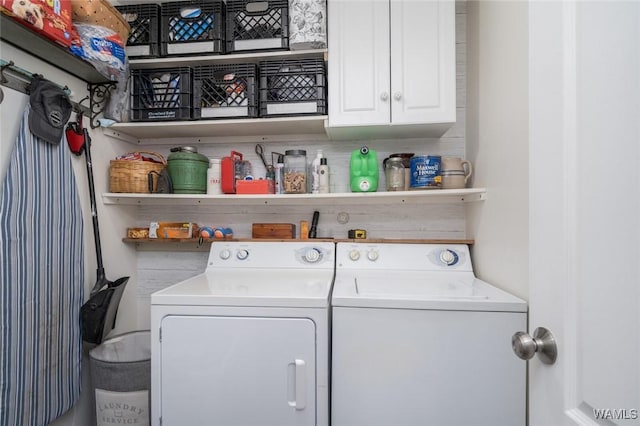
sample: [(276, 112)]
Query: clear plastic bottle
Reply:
[(279, 172), (295, 171), (315, 172)]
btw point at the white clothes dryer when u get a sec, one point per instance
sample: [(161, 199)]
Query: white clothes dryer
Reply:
[(417, 339), (246, 343)]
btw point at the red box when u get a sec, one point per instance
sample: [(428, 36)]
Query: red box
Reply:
[(228, 172), (261, 186), (51, 18)]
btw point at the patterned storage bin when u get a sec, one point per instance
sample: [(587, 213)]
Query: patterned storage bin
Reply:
[(307, 24)]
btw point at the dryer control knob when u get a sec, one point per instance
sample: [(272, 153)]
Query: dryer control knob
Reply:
[(225, 254), (448, 257), (354, 254), (312, 255), (372, 255), (242, 254)]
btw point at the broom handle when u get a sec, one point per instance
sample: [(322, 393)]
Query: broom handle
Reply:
[(94, 210)]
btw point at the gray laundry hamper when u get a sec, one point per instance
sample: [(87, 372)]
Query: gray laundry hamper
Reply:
[(121, 379)]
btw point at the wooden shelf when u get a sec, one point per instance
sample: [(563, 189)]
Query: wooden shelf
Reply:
[(347, 198), (23, 38), (336, 240)]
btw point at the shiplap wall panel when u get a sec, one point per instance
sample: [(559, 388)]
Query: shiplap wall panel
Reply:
[(160, 267)]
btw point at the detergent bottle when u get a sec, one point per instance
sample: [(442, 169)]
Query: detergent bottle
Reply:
[(364, 170)]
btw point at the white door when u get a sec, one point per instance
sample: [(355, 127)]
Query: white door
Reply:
[(423, 64), (237, 371), (585, 210), (358, 65)]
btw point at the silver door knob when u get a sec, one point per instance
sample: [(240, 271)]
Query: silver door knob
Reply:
[(543, 343)]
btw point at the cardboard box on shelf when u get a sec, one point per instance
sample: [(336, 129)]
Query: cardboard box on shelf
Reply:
[(137, 233), (173, 230), (273, 230), (49, 18)]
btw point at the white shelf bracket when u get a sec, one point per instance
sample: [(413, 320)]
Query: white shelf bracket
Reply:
[(120, 136)]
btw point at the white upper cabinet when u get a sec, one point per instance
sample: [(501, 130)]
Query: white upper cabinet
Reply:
[(391, 67)]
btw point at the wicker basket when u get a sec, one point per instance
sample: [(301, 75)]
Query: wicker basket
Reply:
[(133, 175), (102, 13)]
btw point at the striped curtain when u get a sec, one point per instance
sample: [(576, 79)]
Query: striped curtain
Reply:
[(41, 283)]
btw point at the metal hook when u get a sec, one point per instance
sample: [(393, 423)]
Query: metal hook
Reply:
[(79, 115), (3, 79), (86, 98)]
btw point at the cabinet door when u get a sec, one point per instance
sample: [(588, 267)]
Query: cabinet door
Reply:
[(237, 371), (423, 73), (358, 64)]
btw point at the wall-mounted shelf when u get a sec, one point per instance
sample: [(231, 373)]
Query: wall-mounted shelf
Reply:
[(23, 38), (251, 58), (298, 128), (194, 245), (212, 131), (347, 198), (336, 240)]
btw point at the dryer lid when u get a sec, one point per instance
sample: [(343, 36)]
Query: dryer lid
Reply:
[(255, 287)]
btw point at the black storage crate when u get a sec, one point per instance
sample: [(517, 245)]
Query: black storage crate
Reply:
[(161, 94), (144, 39), (225, 91), (193, 27), (257, 25), (293, 87)]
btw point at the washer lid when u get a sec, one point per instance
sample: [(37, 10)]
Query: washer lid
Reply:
[(255, 287), (420, 290)]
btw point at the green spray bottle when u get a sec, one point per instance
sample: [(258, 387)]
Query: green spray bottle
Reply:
[(364, 170)]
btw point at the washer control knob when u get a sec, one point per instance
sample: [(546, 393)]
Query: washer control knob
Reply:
[(225, 254), (312, 255), (354, 255), (448, 257), (372, 255), (242, 254)]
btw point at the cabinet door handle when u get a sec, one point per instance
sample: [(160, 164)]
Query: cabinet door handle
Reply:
[(397, 96), (384, 96), (298, 381)]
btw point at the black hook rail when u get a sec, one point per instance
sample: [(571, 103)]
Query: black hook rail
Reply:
[(19, 79)]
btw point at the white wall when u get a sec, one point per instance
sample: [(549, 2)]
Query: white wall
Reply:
[(497, 140)]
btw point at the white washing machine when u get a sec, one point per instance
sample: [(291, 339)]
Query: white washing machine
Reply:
[(246, 343), (418, 340)]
